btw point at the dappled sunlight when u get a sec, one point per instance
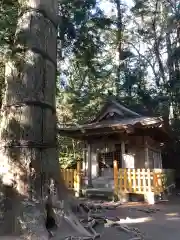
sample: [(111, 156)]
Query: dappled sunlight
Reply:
[(172, 214), (136, 220), (129, 221), (4, 167), (173, 219), (151, 121)]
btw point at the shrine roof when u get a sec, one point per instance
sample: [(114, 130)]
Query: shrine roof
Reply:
[(114, 117)]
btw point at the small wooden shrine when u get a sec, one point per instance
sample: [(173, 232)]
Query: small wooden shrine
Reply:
[(118, 133)]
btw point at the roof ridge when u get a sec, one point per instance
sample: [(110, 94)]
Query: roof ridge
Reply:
[(122, 107)]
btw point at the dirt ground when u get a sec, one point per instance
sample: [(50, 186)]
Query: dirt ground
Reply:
[(160, 221), (156, 222)]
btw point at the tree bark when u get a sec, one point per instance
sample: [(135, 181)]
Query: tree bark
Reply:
[(119, 46), (28, 127)]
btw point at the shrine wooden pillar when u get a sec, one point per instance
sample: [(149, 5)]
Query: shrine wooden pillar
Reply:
[(123, 165), (146, 154), (89, 158)]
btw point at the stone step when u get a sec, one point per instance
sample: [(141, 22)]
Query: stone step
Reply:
[(103, 182), (98, 192)]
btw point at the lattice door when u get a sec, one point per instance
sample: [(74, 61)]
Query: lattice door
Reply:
[(109, 157)]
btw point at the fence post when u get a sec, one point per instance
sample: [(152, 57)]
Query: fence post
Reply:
[(155, 182), (78, 179), (115, 165)]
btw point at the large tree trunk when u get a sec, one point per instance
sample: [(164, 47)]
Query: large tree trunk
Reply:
[(28, 157)]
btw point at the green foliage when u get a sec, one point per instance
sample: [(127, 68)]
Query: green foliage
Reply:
[(132, 52), (8, 21), (149, 77), (91, 70)]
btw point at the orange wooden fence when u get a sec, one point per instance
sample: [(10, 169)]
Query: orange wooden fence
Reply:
[(72, 178), (139, 181), (69, 176)]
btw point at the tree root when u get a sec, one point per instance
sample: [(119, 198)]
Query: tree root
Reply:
[(45, 220), (32, 222)]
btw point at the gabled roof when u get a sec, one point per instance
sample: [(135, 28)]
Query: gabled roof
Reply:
[(115, 117), (126, 123), (112, 107)]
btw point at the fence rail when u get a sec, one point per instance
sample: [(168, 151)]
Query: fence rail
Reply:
[(73, 178), (135, 180), (69, 176), (139, 181)]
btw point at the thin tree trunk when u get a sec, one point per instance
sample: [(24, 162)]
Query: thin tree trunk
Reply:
[(28, 128), (2, 80), (157, 42), (119, 42)]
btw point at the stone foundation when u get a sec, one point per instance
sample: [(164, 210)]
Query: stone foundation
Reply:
[(123, 197), (149, 197)]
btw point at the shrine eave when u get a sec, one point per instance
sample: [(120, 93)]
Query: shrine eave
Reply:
[(128, 126)]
